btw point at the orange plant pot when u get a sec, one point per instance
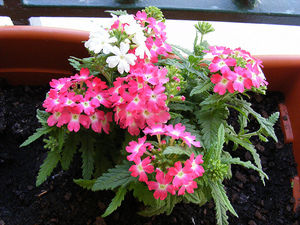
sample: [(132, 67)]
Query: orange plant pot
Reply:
[(35, 55)]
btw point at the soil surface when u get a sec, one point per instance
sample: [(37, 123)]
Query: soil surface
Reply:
[(60, 201)]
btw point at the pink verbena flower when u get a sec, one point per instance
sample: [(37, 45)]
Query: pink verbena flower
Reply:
[(137, 149), (194, 164), (176, 131), (162, 185), (189, 188), (181, 175), (220, 64), (141, 167)]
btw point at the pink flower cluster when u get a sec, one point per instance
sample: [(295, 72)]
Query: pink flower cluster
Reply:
[(139, 99), (177, 177), (156, 40), (74, 101), (234, 70)]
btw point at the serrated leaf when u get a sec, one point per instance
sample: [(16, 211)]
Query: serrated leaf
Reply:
[(265, 124), (42, 116), (247, 164), (165, 206), (273, 118), (222, 203), (115, 202), (69, 150), (251, 149), (39, 132), (210, 121), (180, 107), (115, 177), (142, 193), (117, 12), (88, 152), (202, 87), (177, 150), (87, 184), (198, 197), (47, 167), (184, 50)]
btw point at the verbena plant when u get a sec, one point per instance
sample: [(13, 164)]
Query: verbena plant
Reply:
[(151, 118)]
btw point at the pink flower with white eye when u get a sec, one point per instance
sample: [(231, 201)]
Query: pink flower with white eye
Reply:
[(106, 122), (194, 164), (53, 119), (137, 149), (223, 83), (134, 128), (242, 81), (162, 185), (61, 84), (141, 16), (51, 103), (154, 130), (74, 119), (83, 76), (189, 188), (141, 167), (148, 117), (96, 119), (190, 140), (219, 50), (156, 98), (220, 64), (176, 131), (85, 104), (136, 102), (181, 175)]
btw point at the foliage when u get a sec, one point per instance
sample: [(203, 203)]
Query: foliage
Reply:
[(153, 124)]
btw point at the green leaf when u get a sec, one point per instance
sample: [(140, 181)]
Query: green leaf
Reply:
[(165, 206), (117, 12), (118, 176), (251, 149), (221, 140), (198, 197), (45, 129), (210, 121), (142, 193), (265, 124), (47, 167), (184, 50), (87, 184), (202, 87), (116, 201), (177, 150), (69, 150), (42, 116), (222, 202), (180, 106), (247, 164), (88, 152)]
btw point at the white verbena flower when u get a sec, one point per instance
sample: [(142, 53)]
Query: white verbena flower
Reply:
[(100, 40), (139, 39), (121, 58)]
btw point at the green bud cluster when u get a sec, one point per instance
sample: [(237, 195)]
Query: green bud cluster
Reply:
[(154, 12), (51, 143), (215, 170), (175, 85)]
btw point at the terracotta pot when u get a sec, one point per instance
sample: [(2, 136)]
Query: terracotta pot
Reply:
[(35, 55)]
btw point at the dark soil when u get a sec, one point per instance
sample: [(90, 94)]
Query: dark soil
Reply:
[(60, 201)]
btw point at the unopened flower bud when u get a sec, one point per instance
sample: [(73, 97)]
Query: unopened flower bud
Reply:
[(178, 88), (182, 98)]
